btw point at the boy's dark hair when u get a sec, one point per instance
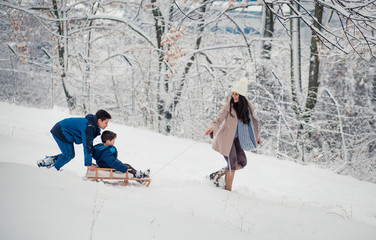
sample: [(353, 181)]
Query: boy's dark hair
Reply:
[(107, 135), (102, 115)]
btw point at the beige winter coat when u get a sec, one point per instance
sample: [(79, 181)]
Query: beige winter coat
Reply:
[(225, 136)]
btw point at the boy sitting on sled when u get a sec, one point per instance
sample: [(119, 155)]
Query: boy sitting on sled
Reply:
[(105, 154)]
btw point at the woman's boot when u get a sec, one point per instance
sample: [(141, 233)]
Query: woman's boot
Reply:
[(217, 175), (229, 179)]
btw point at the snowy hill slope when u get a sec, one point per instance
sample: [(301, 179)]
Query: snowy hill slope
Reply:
[(271, 199)]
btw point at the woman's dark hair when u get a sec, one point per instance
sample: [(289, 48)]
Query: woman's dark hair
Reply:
[(241, 109), (102, 115), (107, 135)]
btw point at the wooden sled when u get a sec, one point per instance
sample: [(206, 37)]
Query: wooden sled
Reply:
[(112, 174)]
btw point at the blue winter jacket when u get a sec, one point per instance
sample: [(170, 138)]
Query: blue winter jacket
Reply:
[(106, 157), (79, 130)]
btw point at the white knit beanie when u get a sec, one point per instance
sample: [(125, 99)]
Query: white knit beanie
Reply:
[(241, 87)]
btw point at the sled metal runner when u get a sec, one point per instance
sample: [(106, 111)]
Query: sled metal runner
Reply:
[(112, 176)]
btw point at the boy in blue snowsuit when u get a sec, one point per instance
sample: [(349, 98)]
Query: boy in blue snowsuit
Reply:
[(105, 154), (76, 130)]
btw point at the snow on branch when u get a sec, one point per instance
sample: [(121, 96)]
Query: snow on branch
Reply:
[(43, 14), (357, 20)]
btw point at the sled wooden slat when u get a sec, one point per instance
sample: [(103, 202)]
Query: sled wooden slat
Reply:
[(111, 177)]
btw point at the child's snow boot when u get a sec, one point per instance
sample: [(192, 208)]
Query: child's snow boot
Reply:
[(141, 174)]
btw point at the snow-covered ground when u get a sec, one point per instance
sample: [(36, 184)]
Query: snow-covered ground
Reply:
[(271, 199)]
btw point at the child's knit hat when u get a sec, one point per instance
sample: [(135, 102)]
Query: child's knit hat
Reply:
[(241, 87)]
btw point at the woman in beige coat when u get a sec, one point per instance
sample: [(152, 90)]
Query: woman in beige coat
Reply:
[(239, 131)]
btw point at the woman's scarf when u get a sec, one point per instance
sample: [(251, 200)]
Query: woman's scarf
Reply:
[(247, 136)]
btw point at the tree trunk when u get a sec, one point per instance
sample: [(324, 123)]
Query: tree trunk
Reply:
[(71, 101), (268, 32), (314, 65), (87, 84), (295, 76), (163, 110), (193, 57), (160, 26), (295, 63), (372, 75)]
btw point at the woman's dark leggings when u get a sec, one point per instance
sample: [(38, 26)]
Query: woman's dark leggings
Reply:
[(237, 155)]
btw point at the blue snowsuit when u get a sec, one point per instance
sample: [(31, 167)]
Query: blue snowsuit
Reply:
[(106, 157), (75, 130)]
